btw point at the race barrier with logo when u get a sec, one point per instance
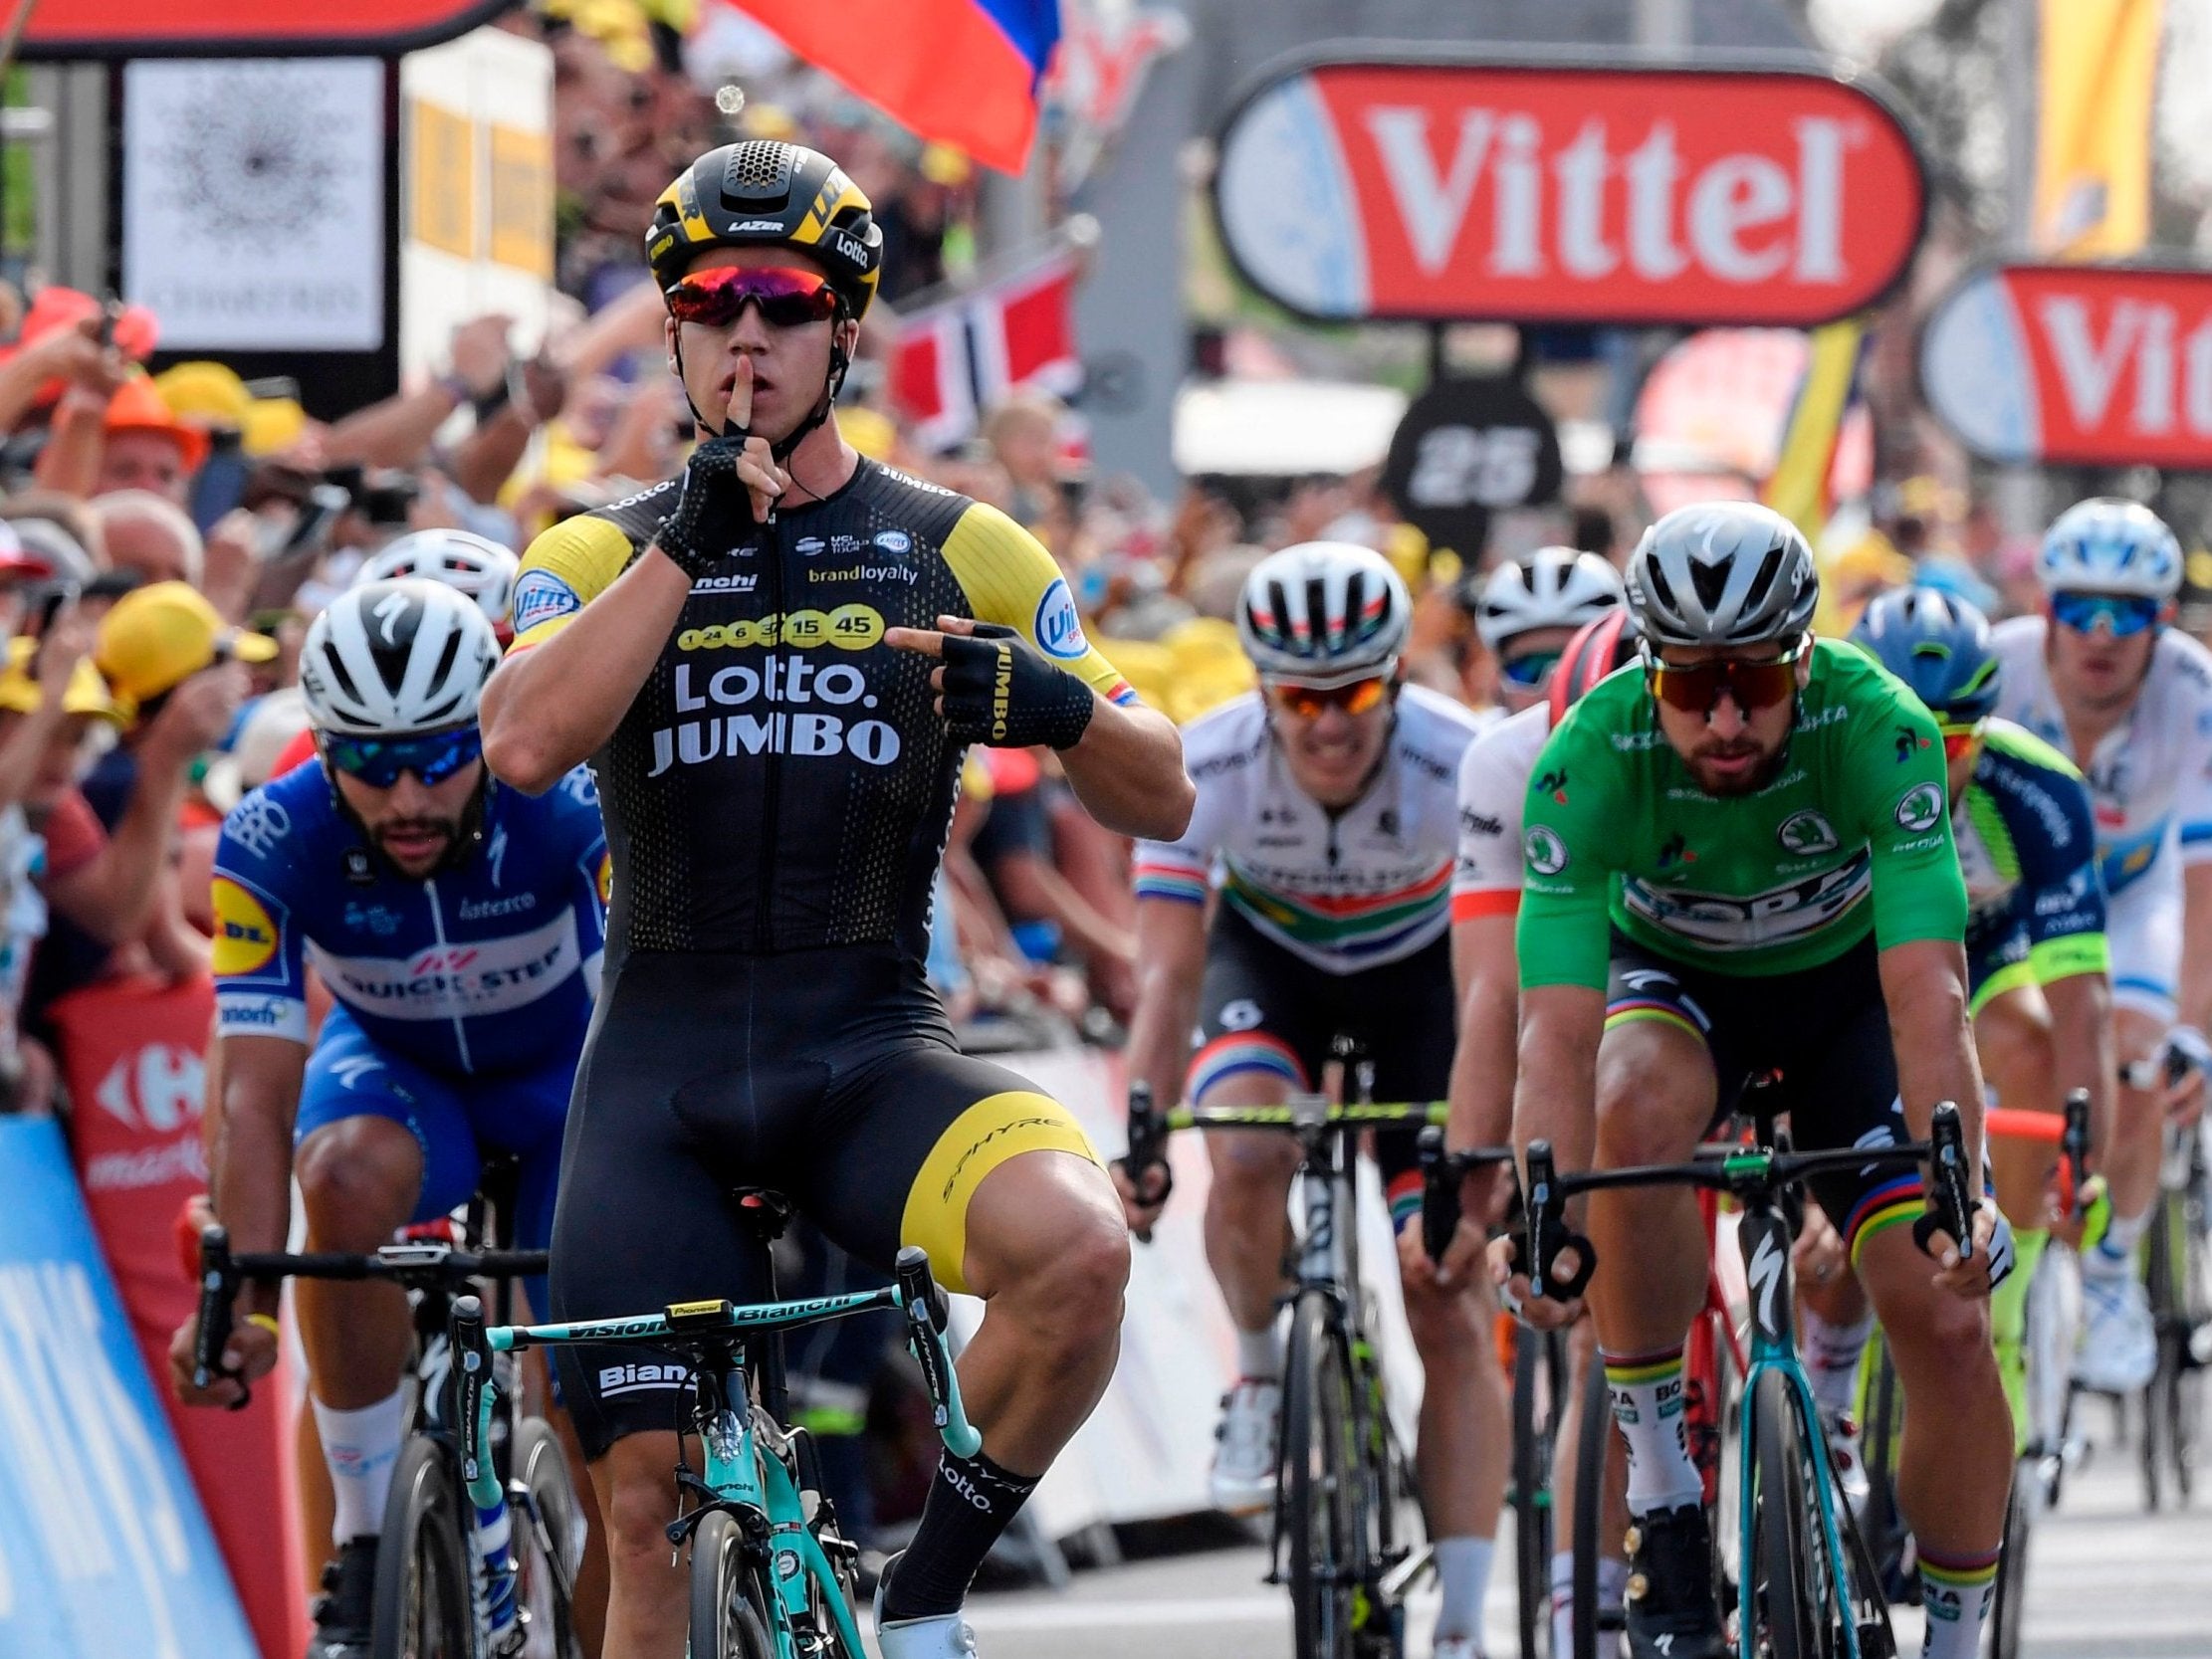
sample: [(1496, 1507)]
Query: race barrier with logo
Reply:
[(105, 1552), (134, 1053), (1355, 184), (2075, 365)]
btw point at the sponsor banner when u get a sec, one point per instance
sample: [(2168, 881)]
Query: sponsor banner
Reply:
[(104, 1551), (218, 155), (132, 1053), (1553, 193), (106, 29), (2075, 365)]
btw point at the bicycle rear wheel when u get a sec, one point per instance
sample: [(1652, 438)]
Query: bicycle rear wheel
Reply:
[(1793, 1585), (422, 1607), (1320, 1483), (726, 1619), (2010, 1603), (1539, 1376), (548, 1542)]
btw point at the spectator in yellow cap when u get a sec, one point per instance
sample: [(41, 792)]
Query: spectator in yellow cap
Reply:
[(159, 636)]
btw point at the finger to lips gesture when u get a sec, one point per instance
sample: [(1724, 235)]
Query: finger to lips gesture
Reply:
[(757, 468)]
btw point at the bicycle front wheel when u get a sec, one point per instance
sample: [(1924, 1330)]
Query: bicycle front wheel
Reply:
[(1539, 1379), (727, 1621), (1792, 1586), (422, 1607), (1594, 1442), (1320, 1483), (549, 1540), (2010, 1605)]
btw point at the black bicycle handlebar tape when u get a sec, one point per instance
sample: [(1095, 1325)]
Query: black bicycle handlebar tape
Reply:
[(926, 1317), (471, 1372), (1146, 1136), (1548, 1233), (1950, 1195), (218, 1288), (1439, 1195)]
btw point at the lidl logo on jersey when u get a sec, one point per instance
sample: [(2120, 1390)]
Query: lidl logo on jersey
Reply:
[(1920, 808), (1058, 629), (245, 935), (1806, 834)]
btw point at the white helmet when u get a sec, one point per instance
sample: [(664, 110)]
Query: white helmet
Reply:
[(392, 659), (1553, 587), (464, 561), (2103, 546), (1324, 613)]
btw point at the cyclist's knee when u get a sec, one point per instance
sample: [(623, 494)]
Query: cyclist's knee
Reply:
[(1655, 1093), (1045, 1234), (358, 1179), (1250, 1168), (635, 1496)]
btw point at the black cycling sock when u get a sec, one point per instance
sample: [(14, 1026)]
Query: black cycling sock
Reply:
[(971, 1502)]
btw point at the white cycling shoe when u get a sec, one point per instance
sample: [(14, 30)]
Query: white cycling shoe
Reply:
[(2119, 1340), (1243, 1475), (939, 1636), (1844, 1458), (1456, 1647)]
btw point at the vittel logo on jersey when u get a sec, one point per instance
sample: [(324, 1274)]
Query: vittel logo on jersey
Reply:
[(1059, 630)]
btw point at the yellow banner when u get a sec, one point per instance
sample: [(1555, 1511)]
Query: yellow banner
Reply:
[(442, 178), (1798, 490), (2099, 77), (523, 200)]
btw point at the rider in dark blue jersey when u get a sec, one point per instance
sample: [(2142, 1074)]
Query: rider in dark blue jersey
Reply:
[(458, 927)]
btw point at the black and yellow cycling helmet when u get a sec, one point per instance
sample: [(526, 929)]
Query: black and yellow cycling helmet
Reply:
[(762, 193)]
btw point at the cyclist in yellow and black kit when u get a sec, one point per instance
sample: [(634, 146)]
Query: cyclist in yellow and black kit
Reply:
[(774, 664)]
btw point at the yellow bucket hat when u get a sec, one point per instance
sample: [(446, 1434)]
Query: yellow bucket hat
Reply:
[(87, 693)]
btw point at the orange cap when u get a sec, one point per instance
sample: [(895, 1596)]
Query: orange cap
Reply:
[(138, 406)]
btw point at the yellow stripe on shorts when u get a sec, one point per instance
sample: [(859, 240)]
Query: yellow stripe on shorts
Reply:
[(994, 1129)]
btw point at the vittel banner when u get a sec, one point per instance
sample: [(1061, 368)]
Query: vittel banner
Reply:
[(1378, 189), (2083, 365)]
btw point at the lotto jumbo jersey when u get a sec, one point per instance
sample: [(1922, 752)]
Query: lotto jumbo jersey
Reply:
[(1853, 835), (782, 780)]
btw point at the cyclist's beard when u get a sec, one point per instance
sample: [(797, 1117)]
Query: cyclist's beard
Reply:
[(416, 844), (1766, 765)]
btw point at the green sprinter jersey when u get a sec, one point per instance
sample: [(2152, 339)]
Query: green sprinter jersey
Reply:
[(1853, 833)]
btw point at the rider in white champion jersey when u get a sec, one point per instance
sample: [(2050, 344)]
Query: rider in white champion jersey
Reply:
[(2103, 679)]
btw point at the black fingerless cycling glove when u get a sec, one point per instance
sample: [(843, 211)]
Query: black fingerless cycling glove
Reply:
[(712, 510), (1000, 690)]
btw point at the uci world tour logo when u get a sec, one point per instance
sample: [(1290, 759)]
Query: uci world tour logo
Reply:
[(1806, 834)]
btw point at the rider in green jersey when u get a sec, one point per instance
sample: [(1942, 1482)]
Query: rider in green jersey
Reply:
[(1739, 864)]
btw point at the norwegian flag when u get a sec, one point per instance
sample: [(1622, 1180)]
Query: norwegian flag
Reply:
[(954, 359)]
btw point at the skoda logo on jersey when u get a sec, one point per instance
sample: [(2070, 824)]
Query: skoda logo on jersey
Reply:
[(1920, 808), (895, 543), (1546, 853), (1058, 629), (1803, 834)]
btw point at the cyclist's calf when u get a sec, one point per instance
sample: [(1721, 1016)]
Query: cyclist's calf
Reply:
[(648, 1613), (1247, 1222)]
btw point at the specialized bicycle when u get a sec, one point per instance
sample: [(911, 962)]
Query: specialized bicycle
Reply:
[(772, 1577), (1337, 1536), (433, 1592), (1806, 1586)]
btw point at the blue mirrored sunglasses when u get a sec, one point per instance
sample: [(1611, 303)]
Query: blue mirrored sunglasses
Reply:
[(1530, 670), (2122, 613), (380, 761)]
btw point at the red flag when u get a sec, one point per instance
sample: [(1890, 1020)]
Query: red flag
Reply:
[(953, 361)]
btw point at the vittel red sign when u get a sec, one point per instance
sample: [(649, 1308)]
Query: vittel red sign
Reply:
[(2081, 366), (1524, 193)]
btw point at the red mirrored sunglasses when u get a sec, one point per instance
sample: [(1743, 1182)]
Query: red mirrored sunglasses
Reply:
[(1695, 688), (1311, 702), (787, 299)]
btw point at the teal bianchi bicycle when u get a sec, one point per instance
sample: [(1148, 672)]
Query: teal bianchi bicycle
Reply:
[(770, 1576), (1807, 1587)]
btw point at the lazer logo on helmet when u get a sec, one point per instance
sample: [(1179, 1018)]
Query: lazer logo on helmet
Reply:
[(755, 225)]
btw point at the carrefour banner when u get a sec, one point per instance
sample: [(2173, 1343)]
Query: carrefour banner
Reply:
[(103, 1550)]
